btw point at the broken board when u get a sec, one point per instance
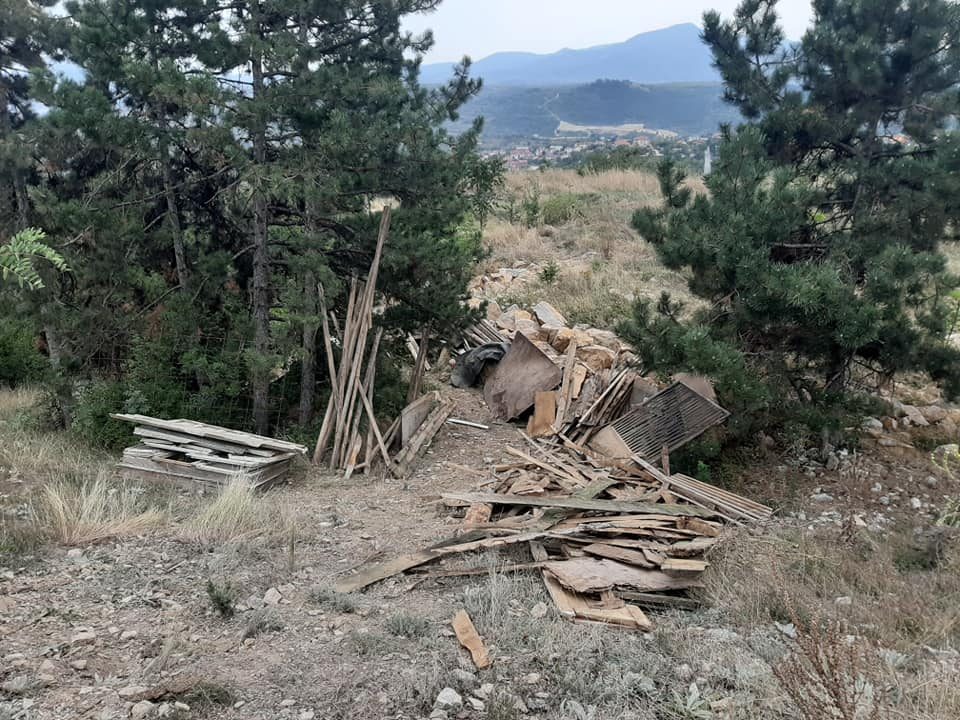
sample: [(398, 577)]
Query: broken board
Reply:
[(524, 371)]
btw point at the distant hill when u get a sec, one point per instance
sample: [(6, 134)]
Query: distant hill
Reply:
[(674, 54), (522, 112)]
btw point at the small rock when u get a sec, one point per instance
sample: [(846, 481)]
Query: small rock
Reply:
[(165, 710), (788, 629), (182, 706), (131, 691), (596, 357), (75, 553), (532, 678), (464, 677), (547, 314), (128, 634), (539, 610), (933, 414), (306, 715), (439, 714), (877, 487), (884, 500), (822, 497), (448, 699), (931, 481), (833, 462), (288, 703), (871, 424), (17, 685), (272, 597), (84, 637), (916, 503), (80, 664), (476, 704), (915, 417), (47, 667), (143, 709), (684, 671), (845, 600), (484, 691)]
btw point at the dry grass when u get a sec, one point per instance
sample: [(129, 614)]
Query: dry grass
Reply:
[(32, 456), (902, 587), (234, 515), (13, 401), (603, 264), (94, 511), (598, 672), (898, 593)]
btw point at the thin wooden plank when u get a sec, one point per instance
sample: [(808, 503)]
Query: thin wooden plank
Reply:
[(624, 555), (574, 503), (591, 575), (576, 608), (468, 636)]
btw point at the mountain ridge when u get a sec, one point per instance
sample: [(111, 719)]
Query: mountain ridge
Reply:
[(673, 54)]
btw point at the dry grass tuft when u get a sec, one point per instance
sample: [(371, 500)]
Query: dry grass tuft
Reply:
[(16, 400), (94, 511), (232, 516)]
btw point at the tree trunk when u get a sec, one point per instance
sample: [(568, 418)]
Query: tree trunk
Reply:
[(62, 389), (308, 373), (173, 215), (260, 380)]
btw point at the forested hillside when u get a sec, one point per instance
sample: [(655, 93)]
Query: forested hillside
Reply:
[(687, 108), (210, 174)]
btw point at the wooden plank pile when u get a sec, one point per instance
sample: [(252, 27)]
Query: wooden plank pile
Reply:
[(193, 453), (608, 539)]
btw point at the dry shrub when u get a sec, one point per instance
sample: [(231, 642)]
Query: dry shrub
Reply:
[(235, 514), (830, 674), (92, 511)]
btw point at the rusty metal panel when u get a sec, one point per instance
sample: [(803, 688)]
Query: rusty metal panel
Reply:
[(672, 417)]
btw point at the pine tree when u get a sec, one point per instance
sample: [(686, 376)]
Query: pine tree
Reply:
[(215, 163), (817, 245), (23, 40), (367, 128)]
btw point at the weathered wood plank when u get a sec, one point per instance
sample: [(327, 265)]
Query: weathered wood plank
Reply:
[(468, 636), (573, 503)]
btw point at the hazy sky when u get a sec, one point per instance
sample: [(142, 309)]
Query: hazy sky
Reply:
[(480, 27)]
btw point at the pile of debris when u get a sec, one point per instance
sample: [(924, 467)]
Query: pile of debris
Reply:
[(608, 538), (580, 386), (193, 453)]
